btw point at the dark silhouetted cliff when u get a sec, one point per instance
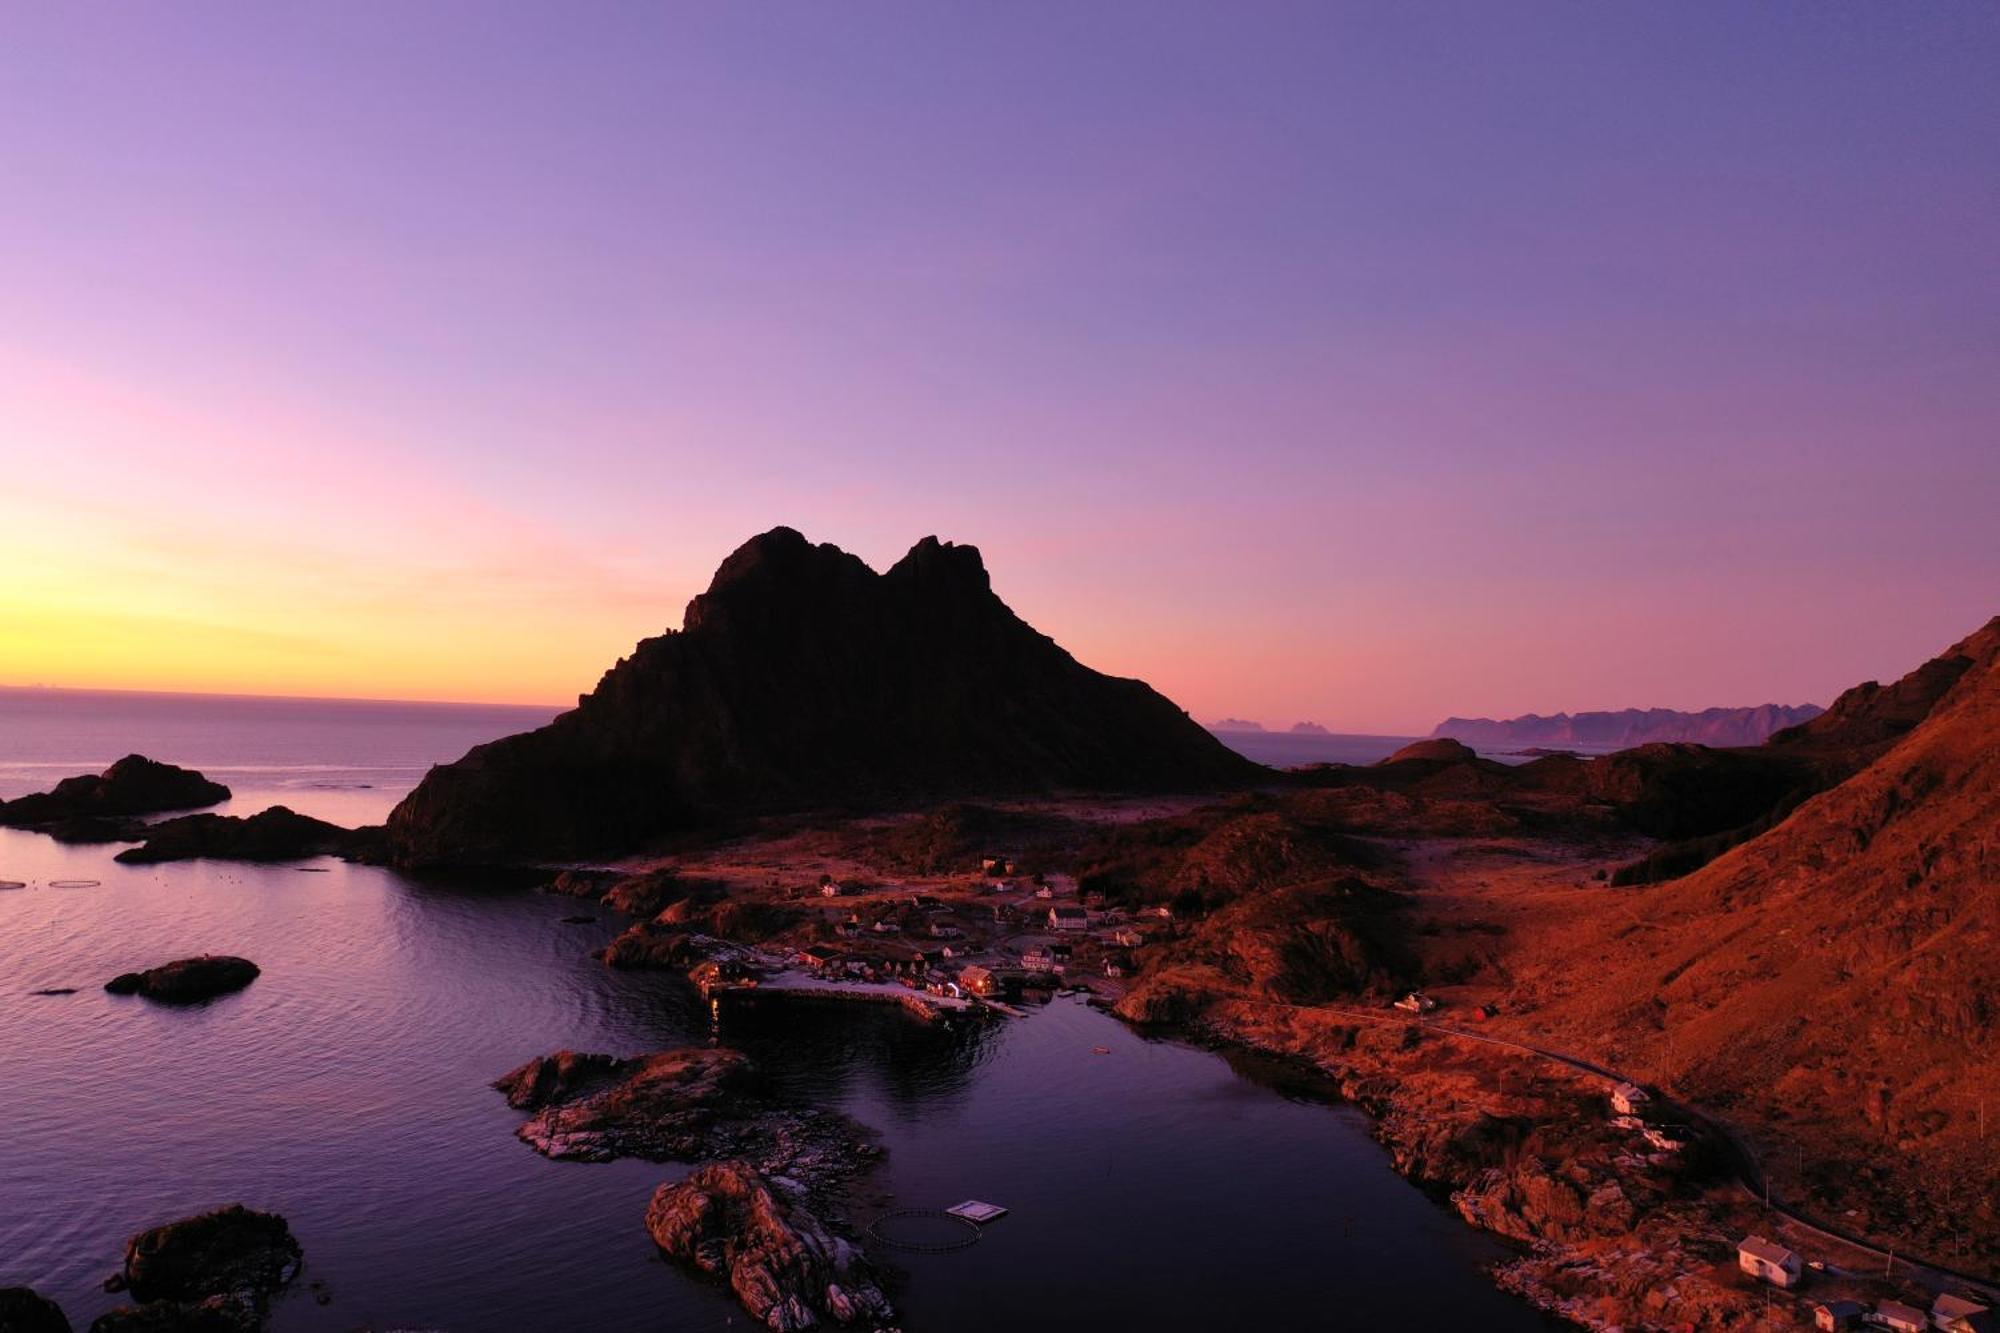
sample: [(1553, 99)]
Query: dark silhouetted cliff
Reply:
[(802, 679)]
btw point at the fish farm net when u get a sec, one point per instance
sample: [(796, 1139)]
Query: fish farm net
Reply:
[(924, 1230)]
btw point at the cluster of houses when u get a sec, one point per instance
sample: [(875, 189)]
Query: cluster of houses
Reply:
[(1768, 1261), (1632, 1108)]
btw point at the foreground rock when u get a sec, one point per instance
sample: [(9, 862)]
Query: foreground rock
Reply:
[(187, 980), (803, 679), (276, 834), (687, 1105), (216, 1271), (135, 785), (24, 1311), (789, 1271)]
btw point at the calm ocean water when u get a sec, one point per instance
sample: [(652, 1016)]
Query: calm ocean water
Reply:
[(1157, 1187)]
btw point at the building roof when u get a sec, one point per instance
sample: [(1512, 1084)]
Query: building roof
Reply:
[(1906, 1314), (1948, 1307), (1841, 1309), (1769, 1251)]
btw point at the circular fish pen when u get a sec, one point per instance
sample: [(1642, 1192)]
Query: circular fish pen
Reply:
[(74, 883), (924, 1231)]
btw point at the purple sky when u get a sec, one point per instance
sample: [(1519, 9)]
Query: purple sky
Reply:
[(1363, 363)]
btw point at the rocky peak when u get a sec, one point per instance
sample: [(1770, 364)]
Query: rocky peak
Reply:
[(802, 679)]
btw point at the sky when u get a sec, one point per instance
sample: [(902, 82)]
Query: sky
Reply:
[(1359, 363)]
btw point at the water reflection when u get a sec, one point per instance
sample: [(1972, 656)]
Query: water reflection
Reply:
[(348, 1089)]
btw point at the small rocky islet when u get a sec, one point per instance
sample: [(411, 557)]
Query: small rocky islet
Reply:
[(187, 980), (212, 1273)]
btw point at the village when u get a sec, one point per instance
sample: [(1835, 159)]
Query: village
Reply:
[(980, 941), (802, 917)]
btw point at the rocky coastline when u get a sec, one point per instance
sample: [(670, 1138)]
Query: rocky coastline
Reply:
[(763, 1208)]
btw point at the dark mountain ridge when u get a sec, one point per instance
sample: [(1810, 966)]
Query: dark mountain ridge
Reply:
[(803, 679)]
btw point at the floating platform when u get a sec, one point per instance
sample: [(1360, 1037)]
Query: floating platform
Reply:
[(972, 1210)]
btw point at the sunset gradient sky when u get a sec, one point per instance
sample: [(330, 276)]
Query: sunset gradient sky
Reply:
[(1363, 363)]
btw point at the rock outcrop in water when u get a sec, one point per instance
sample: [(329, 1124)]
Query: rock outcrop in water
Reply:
[(802, 679), (214, 1273), (276, 834), (187, 980), (22, 1310), (135, 785), (687, 1105), (789, 1271)]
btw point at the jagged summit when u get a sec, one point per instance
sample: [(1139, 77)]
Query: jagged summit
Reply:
[(803, 679)]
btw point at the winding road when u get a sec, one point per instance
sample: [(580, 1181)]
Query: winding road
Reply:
[(1750, 1175)]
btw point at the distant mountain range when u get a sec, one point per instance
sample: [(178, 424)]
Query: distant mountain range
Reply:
[(1630, 726), (1237, 724)]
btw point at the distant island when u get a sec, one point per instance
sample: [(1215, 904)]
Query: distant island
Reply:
[(1233, 724), (1630, 726), (1309, 729)]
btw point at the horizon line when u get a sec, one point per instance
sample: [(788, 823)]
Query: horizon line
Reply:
[(277, 698)]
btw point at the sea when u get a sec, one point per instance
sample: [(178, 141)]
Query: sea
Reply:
[(1152, 1185)]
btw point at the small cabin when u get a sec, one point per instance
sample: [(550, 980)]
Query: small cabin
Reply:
[(1127, 938), (1417, 1002), (1039, 960), (1117, 965), (1068, 918), (1769, 1262), (1045, 892), (990, 866), (977, 980), (945, 930), (1898, 1318), (1835, 1316), (1629, 1099)]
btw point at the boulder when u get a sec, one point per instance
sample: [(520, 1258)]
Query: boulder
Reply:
[(786, 1268), (187, 980), (558, 1078), (233, 1252), (650, 944), (677, 1105), (22, 1310)]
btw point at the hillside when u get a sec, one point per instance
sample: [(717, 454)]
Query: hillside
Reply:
[(1832, 982), (1629, 727), (803, 679)]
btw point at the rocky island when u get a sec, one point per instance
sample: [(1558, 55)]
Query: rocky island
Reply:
[(187, 980), (133, 786)]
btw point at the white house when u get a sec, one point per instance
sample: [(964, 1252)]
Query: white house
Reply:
[(1897, 1317), (1629, 1099), (1769, 1261)]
